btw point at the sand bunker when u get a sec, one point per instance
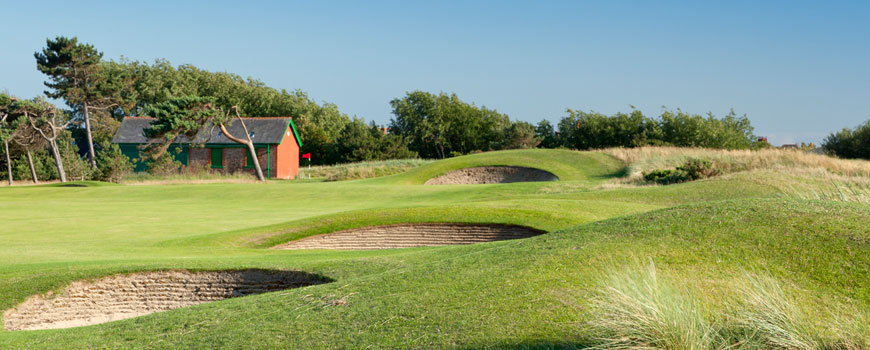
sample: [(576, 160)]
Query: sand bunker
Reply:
[(412, 235), (492, 175), (124, 296)]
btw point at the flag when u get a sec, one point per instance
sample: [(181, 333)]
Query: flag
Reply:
[(306, 155)]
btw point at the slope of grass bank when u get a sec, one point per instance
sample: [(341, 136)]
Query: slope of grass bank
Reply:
[(565, 164)]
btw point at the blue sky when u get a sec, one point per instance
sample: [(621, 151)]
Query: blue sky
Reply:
[(799, 70)]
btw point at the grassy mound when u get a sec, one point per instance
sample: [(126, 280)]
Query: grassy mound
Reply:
[(566, 165)]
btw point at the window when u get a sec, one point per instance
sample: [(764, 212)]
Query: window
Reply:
[(217, 157), (250, 161)]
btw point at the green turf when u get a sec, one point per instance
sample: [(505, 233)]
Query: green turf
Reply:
[(514, 294)]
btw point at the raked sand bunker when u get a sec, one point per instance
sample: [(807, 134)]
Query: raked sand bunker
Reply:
[(492, 175), (412, 235), (124, 296)]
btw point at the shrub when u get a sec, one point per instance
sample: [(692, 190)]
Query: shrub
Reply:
[(43, 164), (697, 169), (112, 164), (164, 165), (666, 176), (692, 169), (76, 167)]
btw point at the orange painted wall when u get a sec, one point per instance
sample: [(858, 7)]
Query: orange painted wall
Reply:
[(288, 156)]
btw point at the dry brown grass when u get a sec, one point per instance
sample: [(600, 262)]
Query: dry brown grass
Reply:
[(731, 161), (795, 173)]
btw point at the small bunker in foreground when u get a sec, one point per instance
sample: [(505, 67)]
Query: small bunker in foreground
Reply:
[(492, 175), (130, 295), (412, 235)]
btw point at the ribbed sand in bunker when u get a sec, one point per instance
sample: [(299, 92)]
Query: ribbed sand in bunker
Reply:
[(125, 296), (412, 235), (492, 175)]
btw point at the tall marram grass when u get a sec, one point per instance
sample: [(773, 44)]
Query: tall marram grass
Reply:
[(644, 159), (795, 173), (636, 309)]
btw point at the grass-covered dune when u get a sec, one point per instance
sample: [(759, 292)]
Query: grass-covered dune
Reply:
[(566, 165), (704, 238)]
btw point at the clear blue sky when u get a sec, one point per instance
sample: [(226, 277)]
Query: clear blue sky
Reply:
[(798, 69)]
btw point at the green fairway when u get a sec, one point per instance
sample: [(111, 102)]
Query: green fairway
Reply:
[(529, 293)]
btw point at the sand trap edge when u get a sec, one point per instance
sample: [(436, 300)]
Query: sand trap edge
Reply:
[(495, 174), (127, 295), (409, 235)]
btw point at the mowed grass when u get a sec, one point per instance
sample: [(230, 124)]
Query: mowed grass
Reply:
[(530, 293)]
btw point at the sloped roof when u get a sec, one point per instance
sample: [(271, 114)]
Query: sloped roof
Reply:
[(263, 131)]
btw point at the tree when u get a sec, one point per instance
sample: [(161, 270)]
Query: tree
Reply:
[(587, 130), (520, 135), (361, 142), (188, 116), (48, 122), (437, 126), (7, 130), (76, 76), (319, 125), (29, 140), (849, 143), (545, 132)]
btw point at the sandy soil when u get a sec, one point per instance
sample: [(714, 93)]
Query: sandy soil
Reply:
[(492, 175), (124, 296), (411, 235)]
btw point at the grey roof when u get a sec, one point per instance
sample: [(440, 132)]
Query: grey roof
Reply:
[(263, 130)]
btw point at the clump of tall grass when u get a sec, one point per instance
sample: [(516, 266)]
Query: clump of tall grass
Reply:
[(636, 309), (779, 321), (776, 321)]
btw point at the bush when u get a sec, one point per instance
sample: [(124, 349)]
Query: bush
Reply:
[(42, 163), (164, 165), (693, 169), (76, 167), (112, 164)]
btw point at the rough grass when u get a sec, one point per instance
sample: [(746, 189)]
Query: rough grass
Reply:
[(795, 173), (646, 159), (633, 308)]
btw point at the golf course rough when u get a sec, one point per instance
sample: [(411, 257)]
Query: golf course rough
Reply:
[(120, 297), (492, 175), (412, 235)]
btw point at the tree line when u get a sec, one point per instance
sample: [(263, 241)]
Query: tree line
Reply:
[(43, 141)]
